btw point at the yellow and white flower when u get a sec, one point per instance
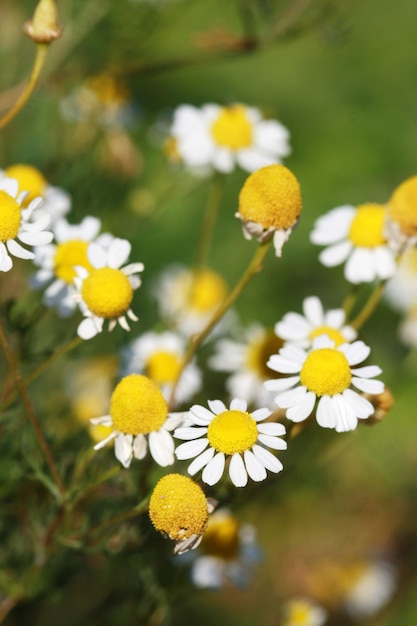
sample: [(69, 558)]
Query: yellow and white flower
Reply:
[(367, 587), (300, 330), (223, 136), (160, 356), (105, 291), (303, 612), (18, 224), (213, 435), (356, 235), (138, 418), (325, 375), (401, 225)]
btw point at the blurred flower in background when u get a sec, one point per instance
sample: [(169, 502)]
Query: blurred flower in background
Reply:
[(303, 612)]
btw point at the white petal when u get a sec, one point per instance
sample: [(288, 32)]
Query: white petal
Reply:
[(161, 446), (279, 363), (325, 415), (281, 384), (362, 407), (374, 387), (140, 447), (96, 255), (18, 251), (200, 415), (118, 253), (217, 406), (303, 408), (346, 419), (367, 372), (272, 442), (223, 160), (238, 405), (200, 461), (105, 441), (214, 469), (334, 318), (89, 328), (267, 459), (333, 226), (254, 467), (123, 449), (261, 414), (237, 471), (313, 310), (274, 429), (335, 255), (187, 433), (360, 267), (191, 449), (385, 263), (355, 352), (6, 262)]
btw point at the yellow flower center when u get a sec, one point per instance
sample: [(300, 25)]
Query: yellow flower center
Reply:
[(221, 537), (171, 150), (178, 507), (299, 613), (107, 292), (137, 406), (206, 291), (163, 367), (326, 371), (29, 179), (402, 206), (367, 227), (107, 89), (232, 431), (259, 352), (271, 197), (10, 217), (67, 256), (334, 334), (232, 129)]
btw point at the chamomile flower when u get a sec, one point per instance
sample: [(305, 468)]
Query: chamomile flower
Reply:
[(401, 290), (401, 226), (303, 612), (105, 292), (325, 375), (300, 329), (138, 418), (18, 224), (356, 235), (160, 356), (270, 205), (57, 262), (246, 361), (56, 202), (367, 587), (213, 435), (187, 299), (223, 136)]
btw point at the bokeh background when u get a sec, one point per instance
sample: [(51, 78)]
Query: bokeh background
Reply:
[(344, 82)]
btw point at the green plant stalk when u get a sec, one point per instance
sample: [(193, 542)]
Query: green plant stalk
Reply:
[(369, 307), (209, 221)]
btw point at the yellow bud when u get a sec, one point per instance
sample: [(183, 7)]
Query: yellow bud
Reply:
[(44, 27)]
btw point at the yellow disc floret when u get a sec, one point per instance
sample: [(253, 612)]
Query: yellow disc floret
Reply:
[(232, 129), (367, 227), (207, 290), (259, 352), (221, 538), (178, 507), (107, 292), (67, 256), (232, 431), (10, 217), (163, 367), (402, 206), (333, 333), (137, 406), (29, 179), (271, 197), (326, 371)]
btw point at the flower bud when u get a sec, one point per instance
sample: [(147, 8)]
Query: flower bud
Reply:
[(44, 27)]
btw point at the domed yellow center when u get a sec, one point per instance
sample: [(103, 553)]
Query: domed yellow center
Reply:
[(232, 431), (333, 333), (402, 206), (326, 371), (67, 256), (137, 406), (221, 538), (29, 179), (163, 367), (10, 217), (271, 197), (178, 507), (206, 291), (367, 227), (259, 352), (107, 292), (232, 129)]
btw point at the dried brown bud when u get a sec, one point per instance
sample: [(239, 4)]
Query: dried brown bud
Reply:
[(383, 403), (44, 27)]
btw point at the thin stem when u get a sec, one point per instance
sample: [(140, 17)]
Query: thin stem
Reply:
[(209, 221), (41, 51), (349, 301), (253, 268), (30, 411), (369, 306), (73, 343)]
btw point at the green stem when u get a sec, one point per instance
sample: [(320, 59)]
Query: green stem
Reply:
[(30, 411), (253, 268), (349, 301), (73, 343), (209, 221), (369, 306)]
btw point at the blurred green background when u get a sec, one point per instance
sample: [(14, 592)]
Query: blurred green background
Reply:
[(346, 88)]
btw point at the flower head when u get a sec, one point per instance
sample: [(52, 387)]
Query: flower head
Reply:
[(401, 289), (303, 612), (402, 215), (179, 510), (325, 374), (269, 205), (356, 235), (138, 417), (222, 136), (18, 224), (219, 433), (300, 330), (105, 291), (367, 586)]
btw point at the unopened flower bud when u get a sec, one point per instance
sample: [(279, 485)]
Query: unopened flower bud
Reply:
[(44, 27)]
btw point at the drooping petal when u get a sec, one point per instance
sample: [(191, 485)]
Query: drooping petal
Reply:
[(161, 446), (267, 459), (214, 469), (200, 461), (237, 471), (140, 447), (254, 467), (123, 449)]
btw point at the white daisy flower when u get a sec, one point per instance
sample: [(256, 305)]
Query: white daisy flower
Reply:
[(246, 361), (401, 290), (187, 300), (19, 225), (369, 586), (300, 329), (138, 418), (303, 612), (56, 202), (160, 356), (106, 291), (401, 225), (57, 262), (325, 374), (223, 136), (220, 432), (356, 235)]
